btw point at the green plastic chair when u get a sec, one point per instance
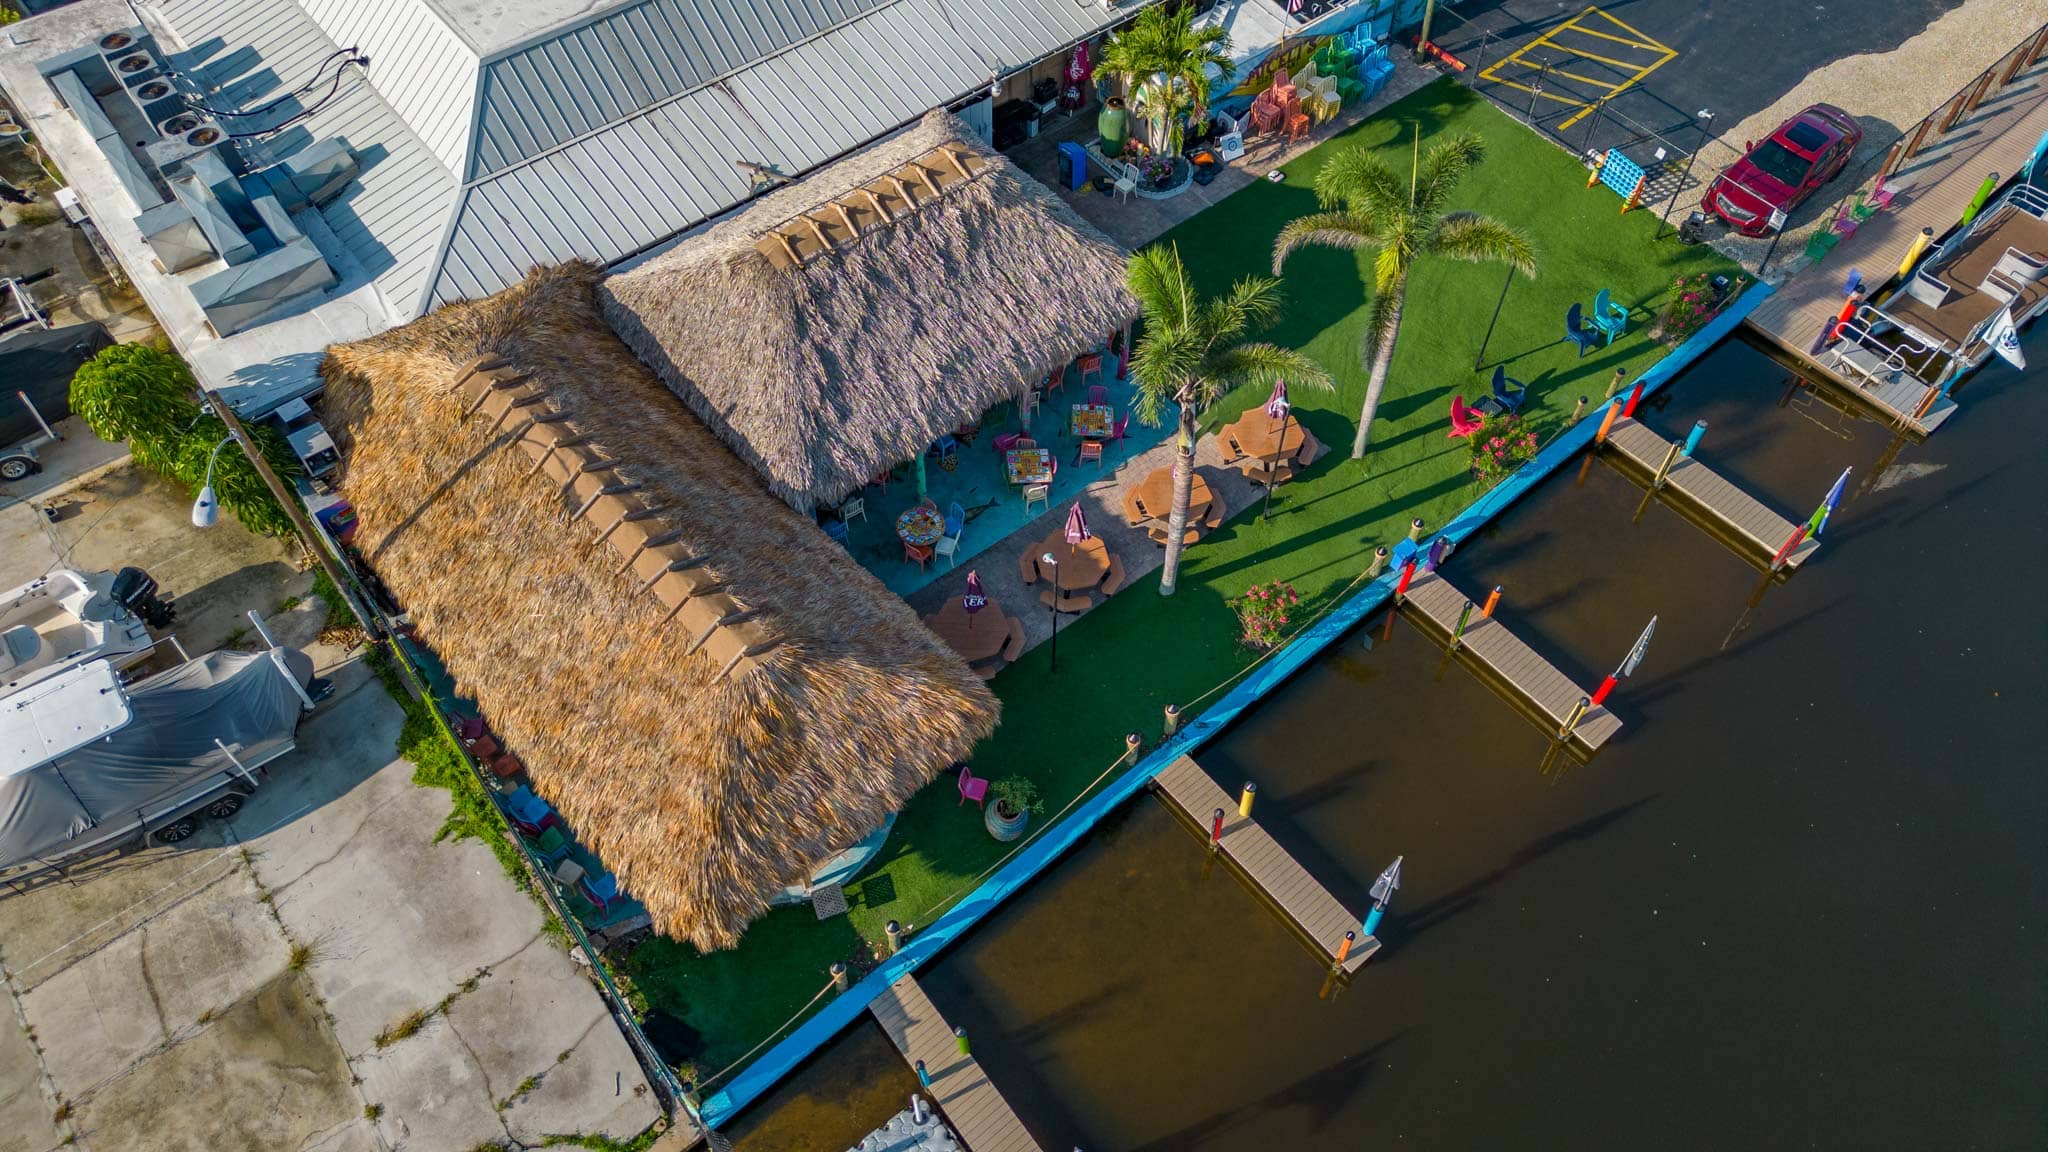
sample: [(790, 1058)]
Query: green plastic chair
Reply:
[(550, 845)]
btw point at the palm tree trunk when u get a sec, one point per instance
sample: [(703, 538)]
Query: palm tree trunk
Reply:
[(1382, 359), (1183, 489)]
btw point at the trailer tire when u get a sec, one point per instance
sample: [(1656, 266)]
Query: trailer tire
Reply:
[(225, 807), (18, 467), (176, 830)]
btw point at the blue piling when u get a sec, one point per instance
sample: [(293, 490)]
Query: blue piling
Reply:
[(923, 1077), (1372, 918), (1692, 439)]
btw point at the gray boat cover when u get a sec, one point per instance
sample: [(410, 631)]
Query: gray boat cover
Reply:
[(238, 698)]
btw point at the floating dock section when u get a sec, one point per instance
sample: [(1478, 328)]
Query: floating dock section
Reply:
[(963, 1092), (1742, 514), (1511, 661), (1275, 873)]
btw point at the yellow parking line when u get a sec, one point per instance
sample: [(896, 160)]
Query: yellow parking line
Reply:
[(1540, 92), (1621, 64), (1622, 24), (1636, 71), (1651, 46), (1553, 70)]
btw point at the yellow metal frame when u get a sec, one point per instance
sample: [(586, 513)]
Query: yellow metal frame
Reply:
[(1579, 24)]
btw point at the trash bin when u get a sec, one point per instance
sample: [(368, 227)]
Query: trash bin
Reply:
[(1073, 166)]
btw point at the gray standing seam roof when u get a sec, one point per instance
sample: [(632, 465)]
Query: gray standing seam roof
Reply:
[(651, 174), (392, 216)]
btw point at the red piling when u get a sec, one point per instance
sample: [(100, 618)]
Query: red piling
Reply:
[(1600, 693), (1635, 397)]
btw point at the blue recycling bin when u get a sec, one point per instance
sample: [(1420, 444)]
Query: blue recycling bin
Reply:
[(1073, 166)]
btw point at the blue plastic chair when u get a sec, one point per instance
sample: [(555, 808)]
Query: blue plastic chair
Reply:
[(1575, 329), (600, 891), (956, 519), (530, 814), (1610, 318), (945, 447), (1508, 394)]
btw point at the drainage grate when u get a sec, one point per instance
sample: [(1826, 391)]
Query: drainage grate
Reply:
[(829, 901)]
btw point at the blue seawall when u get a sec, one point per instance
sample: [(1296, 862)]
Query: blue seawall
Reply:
[(778, 1061)]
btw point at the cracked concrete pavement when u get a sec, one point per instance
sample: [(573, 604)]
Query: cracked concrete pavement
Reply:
[(156, 999)]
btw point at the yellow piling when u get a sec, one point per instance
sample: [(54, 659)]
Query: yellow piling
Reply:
[(1244, 800)]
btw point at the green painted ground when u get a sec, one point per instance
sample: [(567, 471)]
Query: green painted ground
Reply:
[(1121, 663)]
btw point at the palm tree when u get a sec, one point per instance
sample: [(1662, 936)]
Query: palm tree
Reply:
[(1188, 357), (1364, 206), (1164, 61)]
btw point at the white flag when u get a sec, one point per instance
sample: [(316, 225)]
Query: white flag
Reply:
[(2005, 339)]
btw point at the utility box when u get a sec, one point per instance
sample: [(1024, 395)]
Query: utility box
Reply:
[(1073, 166)]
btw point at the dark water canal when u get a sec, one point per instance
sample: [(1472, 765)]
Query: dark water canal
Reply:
[(1797, 903)]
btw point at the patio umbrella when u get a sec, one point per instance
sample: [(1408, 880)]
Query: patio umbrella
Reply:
[(1276, 404), (1077, 524), (973, 600)]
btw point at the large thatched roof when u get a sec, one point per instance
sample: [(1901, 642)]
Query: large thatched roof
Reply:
[(844, 322), (714, 694)]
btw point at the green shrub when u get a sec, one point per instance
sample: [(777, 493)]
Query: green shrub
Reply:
[(236, 483), (136, 393)]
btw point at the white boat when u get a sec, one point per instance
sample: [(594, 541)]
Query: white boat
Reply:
[(67, 618)]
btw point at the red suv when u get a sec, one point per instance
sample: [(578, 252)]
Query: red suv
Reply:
[(1804, 153)]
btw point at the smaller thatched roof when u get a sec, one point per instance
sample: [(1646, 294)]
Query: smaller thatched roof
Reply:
[(713, 693), (844, 322)]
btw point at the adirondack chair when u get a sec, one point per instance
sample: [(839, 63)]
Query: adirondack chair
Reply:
[(1610, 318), (1575, 329), (1508, 394), (1464, 421)]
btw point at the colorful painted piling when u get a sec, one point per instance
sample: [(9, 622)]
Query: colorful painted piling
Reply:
[(1277, 875), (971, 1104), (1727, 508)]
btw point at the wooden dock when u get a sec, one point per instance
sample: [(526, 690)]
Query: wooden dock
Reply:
[(1511, 661), (1932, 189), (973, 1108), (1282, 878), (1745, 516)]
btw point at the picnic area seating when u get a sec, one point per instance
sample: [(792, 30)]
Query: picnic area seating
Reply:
[(1508, 394), (1575, 329), (1464, 421), (1610, 318)]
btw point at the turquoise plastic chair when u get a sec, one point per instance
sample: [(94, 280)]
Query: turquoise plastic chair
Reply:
[(1610, 318)]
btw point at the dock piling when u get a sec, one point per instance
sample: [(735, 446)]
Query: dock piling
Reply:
[(1172, 724), (923, 1077), (917, 1112), (1415, 530), (1635, 397), (894, 932), (1492, 602), (1692, 438), (1379, 562), (1607, 422), (1216, 829), (839, 977), (1344, 950), (1133, 745), (1407, 575), (1244, 800), (1572, 721), (1464, 618), (1579, 411), (960, 1040), (1671, 456)]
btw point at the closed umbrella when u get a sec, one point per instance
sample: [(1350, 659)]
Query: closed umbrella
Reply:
[(1279, 409), (973, 600), (1077, 524)]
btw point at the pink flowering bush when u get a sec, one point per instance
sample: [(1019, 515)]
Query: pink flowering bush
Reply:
[(1693, 302), (1264, 611), (1500, 446)]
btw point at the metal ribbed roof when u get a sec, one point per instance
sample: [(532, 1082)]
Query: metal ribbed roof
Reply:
[(583, 77), (392, 217), (664, 169)]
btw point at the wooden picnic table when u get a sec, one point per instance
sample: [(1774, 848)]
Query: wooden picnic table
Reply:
[(1152, 498), (1260, 436), (975, 637), (1028, 465), (1082, 566)]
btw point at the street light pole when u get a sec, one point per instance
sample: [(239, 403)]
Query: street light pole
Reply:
[(1053, 646), (1706, 122), (292, 508)]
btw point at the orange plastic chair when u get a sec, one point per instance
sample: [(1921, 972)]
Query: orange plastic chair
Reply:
[(920, 553)]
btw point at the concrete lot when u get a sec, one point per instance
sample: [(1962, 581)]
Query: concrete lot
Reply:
[(230, 992)]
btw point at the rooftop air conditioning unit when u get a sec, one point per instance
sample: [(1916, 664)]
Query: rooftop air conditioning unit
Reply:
[(150, 90), (134, 68), (117, 43), (176, 127)]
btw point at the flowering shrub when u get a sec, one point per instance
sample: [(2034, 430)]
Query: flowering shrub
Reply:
[(1263, 611), (1156, 168), (1694, 301), (1500, 446)]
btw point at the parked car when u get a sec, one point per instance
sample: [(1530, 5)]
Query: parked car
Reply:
[(1757, 192)]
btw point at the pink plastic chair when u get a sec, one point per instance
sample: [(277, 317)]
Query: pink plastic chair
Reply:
[(972, 788), (1097, 394), (1464, 421), (1121, 429)]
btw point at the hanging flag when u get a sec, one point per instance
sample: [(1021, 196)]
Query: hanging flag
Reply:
[(1828, 506), (1635, 654), (974, 601), (1276, 404), (2005, 339), (1077, 524)]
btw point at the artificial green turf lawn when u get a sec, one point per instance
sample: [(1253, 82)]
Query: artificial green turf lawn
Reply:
[(1121, 663)]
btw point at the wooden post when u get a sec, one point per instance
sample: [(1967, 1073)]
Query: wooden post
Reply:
[(894, 932), (1664, 469), (1579, 411), (839, 977), (1492, 602), (1244, 800), (1977, 94), (1172, 724), (1891, 158), (1614, 382), (1607, 423), (1379, 562), (1415, 530)]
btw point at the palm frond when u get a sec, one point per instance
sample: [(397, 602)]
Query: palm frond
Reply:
[(1161, 365), (1483, 240), (1343, 230), (1261, 364), (1251, 303), (1160, 281), (1358, 179), (1443, 166)]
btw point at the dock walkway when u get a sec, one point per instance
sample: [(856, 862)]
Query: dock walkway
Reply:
[(1747, 517), (1270, 867), (1513, 662), (962, 1091), (1931, 190)]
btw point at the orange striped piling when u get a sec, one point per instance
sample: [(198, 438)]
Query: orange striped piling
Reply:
[(1492, 602)]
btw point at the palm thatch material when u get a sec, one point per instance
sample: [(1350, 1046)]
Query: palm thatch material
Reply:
[(843, 323), (713, 693)]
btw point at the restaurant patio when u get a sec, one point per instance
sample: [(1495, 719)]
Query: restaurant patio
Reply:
[(876, 339)]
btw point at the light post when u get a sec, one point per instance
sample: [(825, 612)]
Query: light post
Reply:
[(206, 509), (1054, 644), (1706, 123), (1273, 478)]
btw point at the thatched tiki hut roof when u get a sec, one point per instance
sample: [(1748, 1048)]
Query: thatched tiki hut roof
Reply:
[(843, 323), (713, 693)]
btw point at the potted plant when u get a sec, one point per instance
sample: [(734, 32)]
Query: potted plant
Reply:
[(1016, 798)]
